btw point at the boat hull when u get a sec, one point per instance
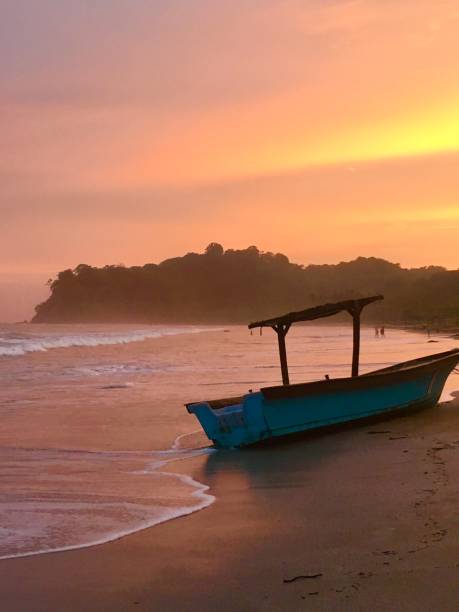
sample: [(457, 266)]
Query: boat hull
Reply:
[(283, 410)]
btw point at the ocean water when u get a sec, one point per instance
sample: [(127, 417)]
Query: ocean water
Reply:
[(92, 417)]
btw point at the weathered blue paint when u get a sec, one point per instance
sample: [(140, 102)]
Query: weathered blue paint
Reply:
[(414, 384)]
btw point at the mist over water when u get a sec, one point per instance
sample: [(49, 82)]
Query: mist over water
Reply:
[(93, 417)]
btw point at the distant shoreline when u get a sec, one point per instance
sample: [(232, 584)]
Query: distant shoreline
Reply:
[(452, 331), (337, 321)]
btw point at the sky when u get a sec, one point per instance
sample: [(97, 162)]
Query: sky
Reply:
[(136, 130)]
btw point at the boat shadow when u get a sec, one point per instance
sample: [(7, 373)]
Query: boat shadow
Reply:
[(289, 459)]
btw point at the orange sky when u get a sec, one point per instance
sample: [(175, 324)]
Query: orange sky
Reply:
[(131, 132)]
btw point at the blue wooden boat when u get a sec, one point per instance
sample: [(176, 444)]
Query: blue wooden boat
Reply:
[(286, 409)]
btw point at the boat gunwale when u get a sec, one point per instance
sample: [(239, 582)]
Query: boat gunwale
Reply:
[(220, 403), (400, 371), (397, 373)]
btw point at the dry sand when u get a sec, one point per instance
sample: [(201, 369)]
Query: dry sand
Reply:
[(372, 512)]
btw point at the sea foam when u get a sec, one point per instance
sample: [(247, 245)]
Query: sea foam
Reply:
[(31, 343), (74, 515)]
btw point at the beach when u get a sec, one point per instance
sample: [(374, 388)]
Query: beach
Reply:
[(354, 519), (229, 306)]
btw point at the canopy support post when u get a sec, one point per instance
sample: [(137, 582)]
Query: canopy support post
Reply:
[(355, 313), (281, 325), (281, 331)]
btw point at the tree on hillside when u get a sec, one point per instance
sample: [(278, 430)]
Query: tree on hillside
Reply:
[(240, 285)]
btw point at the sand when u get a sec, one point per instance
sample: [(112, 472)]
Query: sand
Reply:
[(365, 518)]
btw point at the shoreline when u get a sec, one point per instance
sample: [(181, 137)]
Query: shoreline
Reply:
[(378, 537), (452, 331), (199, 494), (335, 507)]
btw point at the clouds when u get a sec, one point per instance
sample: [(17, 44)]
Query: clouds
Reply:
[(146, 92), (162, 54), (324, 213), (196, 120)]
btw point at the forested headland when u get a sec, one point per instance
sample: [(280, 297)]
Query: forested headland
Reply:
[(237, 286)]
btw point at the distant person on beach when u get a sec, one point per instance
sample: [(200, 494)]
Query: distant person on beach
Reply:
[(383, 331), (377, 332)]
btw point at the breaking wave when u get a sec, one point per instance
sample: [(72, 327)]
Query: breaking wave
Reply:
[(12, 345)]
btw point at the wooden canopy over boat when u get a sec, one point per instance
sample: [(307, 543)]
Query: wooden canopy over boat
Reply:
[(281, 326)]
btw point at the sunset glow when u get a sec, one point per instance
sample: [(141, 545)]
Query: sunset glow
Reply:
[(135, 132)]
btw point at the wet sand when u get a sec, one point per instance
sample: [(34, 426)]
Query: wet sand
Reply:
[(357, 519)]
